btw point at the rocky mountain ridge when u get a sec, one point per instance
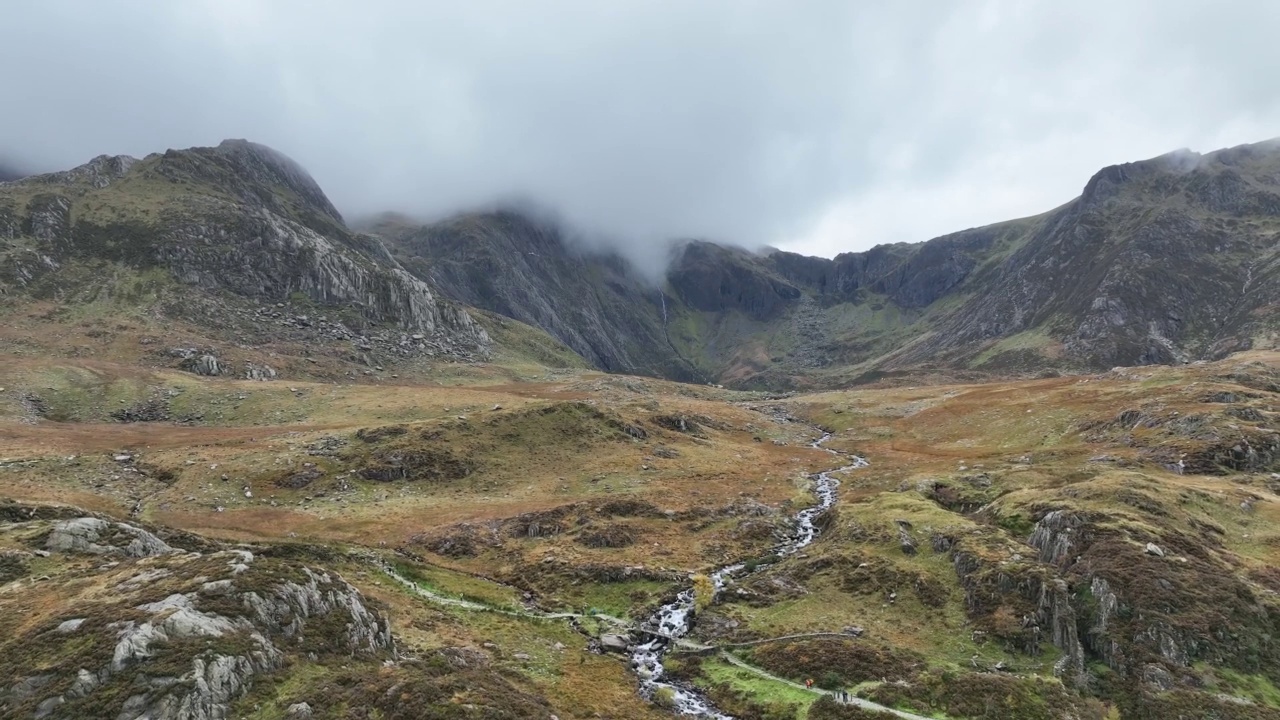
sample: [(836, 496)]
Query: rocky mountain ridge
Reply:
[(1167, 260), (237, 220)]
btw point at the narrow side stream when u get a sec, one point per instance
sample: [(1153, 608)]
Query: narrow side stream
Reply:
[(675, 619)]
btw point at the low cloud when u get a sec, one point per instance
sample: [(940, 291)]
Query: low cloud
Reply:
[(820, 127)]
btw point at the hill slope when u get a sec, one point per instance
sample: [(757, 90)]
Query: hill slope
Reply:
[(1167, 260), (237, 222)]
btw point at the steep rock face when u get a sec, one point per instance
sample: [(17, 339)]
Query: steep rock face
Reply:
[(1172, 259), (1042, 599), (1167, 260), (239, 218), (1142, 610), (711, 278), (528, 270)]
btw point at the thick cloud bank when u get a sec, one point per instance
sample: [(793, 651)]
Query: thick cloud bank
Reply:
[(820, 126)]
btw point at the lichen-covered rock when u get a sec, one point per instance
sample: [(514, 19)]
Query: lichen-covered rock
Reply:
[(170, 635), (287, 607), (102, 537), (206, 365)]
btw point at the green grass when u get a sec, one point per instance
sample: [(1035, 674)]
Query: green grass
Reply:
[(448, 583), (1036, 340), (1254, 687), (760, 689), (269, 699), (526, 350), (618, 599)]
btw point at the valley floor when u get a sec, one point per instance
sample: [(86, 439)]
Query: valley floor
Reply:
[(1092, 546)]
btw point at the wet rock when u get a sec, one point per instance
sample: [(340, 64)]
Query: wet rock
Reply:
[(614, 643)]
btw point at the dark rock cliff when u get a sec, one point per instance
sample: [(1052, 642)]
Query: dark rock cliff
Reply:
[(1166, 260)]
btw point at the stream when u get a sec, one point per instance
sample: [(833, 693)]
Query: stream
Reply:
[(674, 620)]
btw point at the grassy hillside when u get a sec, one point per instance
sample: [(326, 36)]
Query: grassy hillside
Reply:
[(995, 557)]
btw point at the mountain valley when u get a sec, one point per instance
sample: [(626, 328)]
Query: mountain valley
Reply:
[(260, 462)]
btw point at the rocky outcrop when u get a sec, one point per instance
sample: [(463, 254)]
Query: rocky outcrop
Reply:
[(246, 221), (272, 257), (711, 278), (96, 536), (183, 636), (154, 631), (286, 608), (1161, 261), (97, 173), (1034, 593), (1156, 262), (206, 365)]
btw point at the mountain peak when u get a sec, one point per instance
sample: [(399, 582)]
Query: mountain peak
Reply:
[(251, 169)]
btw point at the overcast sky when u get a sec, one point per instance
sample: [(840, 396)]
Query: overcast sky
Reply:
[(819, 126)]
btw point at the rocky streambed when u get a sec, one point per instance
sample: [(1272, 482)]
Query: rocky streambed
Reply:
[(675, 619)]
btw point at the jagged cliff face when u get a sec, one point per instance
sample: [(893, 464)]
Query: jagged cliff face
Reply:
[(238, 218), (524, 269), (1169, 260)]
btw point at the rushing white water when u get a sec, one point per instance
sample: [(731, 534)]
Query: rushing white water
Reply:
[(675, 619)]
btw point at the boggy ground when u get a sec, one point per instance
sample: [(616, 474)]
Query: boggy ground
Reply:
[(1091, 546)]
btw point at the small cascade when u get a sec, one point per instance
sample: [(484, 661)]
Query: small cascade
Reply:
[(675, 619)]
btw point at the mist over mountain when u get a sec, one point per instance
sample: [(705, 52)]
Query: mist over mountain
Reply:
[(819, 129), (10, 172), (1167, 260), (635, 359)]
